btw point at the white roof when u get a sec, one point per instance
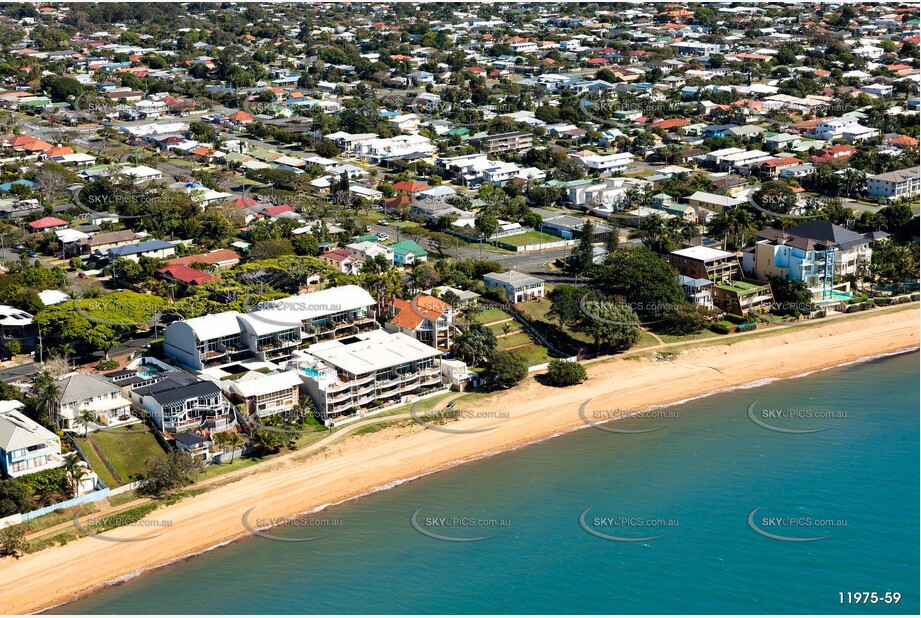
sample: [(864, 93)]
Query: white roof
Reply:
[(68, 236), (52, 297), (141, 171), (703, 253), (11, 316), (713, 198), (18, 431), (215, 325), (261, 384), (376, 350), (296, 309)]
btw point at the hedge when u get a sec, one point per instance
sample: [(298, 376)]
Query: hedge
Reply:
[(746, 327), (735, 319), (722, 328)]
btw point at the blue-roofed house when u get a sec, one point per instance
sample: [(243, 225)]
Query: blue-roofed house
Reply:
[(159, 249), (8, 186)]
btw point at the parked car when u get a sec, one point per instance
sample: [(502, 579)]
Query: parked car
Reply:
[(383, 222), (381, 237)]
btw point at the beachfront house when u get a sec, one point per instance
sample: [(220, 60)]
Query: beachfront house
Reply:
[(25, 446)]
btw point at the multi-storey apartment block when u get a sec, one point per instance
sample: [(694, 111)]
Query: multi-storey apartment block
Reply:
[(367, 371)]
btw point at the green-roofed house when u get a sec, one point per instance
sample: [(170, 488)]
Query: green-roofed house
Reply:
[(408, 252), (740, 297)]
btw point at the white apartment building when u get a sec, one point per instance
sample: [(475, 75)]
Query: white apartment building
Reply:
[(367, 371), (616, 163), (272, 330), (845, 128), (895, 185)]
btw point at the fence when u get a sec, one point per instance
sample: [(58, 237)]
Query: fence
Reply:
[(19, 518)]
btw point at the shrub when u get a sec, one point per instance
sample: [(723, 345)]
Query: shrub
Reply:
[(915, 296), (735, 319), (506, 368), (722, 328), (742, 328), (565, 373), (107, 365)]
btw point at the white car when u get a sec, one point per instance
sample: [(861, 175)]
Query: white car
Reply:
[(381, 237)]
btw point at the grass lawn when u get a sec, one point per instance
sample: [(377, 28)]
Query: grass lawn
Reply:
[(530, 238), (646, 340), (128, 452), (497, 328), (493, 314), (487, 247), (533, 354), (692, 337), (96, 464), (513, 340)]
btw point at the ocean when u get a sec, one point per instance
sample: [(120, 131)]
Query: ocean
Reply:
[(779, 498)]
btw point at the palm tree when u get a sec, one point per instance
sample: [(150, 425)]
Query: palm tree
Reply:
[(84, 418), (46, 391), (234, 440), (470, 312), (76, 471)]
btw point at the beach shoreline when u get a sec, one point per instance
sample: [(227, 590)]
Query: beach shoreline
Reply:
[(367, 463)]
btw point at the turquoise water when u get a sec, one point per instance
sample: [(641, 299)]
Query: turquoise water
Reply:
[(705, 469)]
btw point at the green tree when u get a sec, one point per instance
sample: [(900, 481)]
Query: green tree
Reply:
[(565, 373), (609, 323), (170, 472), (642, 278), (14, 498), (506, 368), (12, 541), (475, 344)]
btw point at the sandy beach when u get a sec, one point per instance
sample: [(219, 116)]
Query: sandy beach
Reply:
[(363, 463)]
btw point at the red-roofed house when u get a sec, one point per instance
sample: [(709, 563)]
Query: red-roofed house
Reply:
[(342, 260), (834, 153), (240, 117), (221, 259), (48, 224), (670, 123), (407, 186), (275, 211), (185, 275), (772, 167), (425, 318)]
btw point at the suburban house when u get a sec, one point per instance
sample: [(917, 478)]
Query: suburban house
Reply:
[(518, 286), (17, 325), (424, 317), (178, 402), (739, 297), (89, 393), (185, 276), (25, 446), (342, 260), (697, 291), (159, 249), (47, 224), (408, 252), (818, 252), (268, 394), (711, 201), (366, 371), (705, 263)]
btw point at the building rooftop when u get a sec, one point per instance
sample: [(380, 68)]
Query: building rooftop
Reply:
[(704, 254), (371, 351)]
